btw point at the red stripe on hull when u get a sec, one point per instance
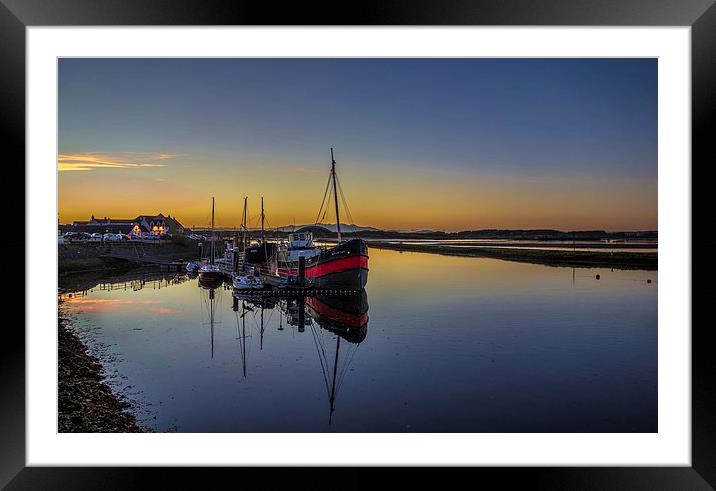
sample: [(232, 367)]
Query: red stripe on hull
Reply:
[(337, 265), (345, 318)]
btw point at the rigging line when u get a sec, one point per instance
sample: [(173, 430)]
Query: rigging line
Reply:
[(325, 193), (323, 369), (326, 196), (343, 198), (322, 345), (345, 368), (268, 318), (345, 203), (238, 331), (332, 195), (345, 365)]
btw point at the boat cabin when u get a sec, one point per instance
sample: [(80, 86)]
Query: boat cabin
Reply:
[(300, 240)]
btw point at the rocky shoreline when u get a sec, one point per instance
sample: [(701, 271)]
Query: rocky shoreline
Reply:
[(86, 404)]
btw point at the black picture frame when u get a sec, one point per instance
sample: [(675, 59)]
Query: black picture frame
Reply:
[(16, 15)]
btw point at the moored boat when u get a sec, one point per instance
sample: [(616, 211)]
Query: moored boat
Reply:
[(247, 282), (209, 273), (343, 266)]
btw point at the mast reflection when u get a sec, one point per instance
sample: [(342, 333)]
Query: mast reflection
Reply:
[(211, 286), (332, 319)]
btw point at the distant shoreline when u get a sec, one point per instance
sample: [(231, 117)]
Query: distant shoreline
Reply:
[(578, 259)]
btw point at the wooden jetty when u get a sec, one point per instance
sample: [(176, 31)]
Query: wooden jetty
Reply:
[(291, 292)]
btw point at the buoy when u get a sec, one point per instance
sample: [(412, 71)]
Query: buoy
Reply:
[(597, 276)]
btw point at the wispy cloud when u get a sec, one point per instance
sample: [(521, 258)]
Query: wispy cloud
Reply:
[(86, 161)]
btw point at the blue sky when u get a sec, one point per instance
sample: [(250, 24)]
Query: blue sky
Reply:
[(517, 125)]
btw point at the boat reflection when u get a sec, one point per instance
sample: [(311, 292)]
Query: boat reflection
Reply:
[(209, 288), (346, 316), (211, 282), (331, 319)]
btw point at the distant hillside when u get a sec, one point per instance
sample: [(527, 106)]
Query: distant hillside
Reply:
[(537, 234), (316, 230), (331, 227), (351, 230)]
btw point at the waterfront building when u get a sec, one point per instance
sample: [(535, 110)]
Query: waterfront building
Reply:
[(141, 226)]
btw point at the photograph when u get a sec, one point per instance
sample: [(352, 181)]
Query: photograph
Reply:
[(357, 245)]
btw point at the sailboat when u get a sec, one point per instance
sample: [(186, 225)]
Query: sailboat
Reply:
[(247, 277), (343, 266), (209, 273), (260, 255)]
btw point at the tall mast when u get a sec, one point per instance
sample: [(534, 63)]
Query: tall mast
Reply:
[(335, 194), (243, 222), (332, 398), (243, 334), (211, 258), (262, 326), (211, 319), (262, 218)]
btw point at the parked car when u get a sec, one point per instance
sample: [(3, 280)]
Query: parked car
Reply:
[(96, 237), (112, 237)]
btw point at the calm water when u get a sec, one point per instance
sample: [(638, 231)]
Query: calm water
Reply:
[(451, 344)]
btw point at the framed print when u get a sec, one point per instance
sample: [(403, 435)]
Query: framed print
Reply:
[(421, 236)]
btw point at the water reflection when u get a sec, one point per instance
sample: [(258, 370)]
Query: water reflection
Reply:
[(344, 315), (456, 344)]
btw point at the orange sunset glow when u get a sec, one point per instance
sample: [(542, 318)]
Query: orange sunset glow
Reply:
[(440, 145)]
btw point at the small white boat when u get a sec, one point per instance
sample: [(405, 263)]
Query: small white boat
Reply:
[(209, 271), (243, 282), (246, 282)]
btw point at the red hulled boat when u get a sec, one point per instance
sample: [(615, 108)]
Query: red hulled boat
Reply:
[(343, 266)]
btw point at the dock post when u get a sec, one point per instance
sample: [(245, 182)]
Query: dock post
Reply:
[(301, 313), (302, 271)]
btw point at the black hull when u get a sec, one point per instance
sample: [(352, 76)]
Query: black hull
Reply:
[(355, 304), (350, 279), (344, 315), (211, 280), (343, 267), (260, 254)]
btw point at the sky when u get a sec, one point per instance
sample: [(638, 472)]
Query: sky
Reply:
[(440, 144)]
